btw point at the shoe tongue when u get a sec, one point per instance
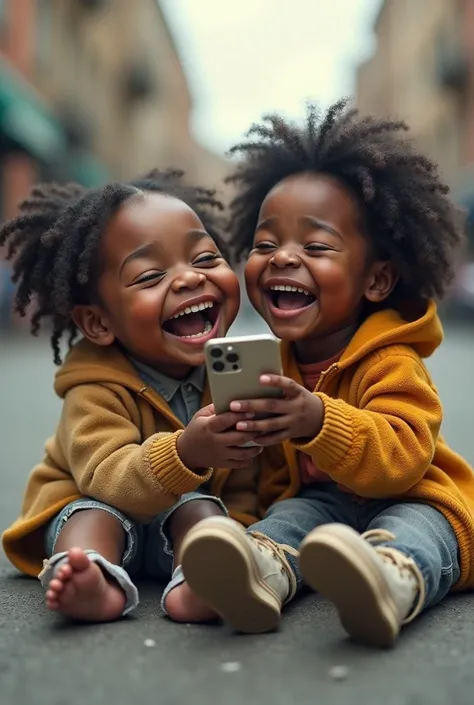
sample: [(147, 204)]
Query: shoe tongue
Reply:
[(292, 300), (189, 324)]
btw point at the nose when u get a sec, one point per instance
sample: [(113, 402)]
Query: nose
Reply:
[(285, 258), (188, 279)]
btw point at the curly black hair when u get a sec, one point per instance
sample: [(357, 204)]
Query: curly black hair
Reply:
[(54, 240), (408, 215)]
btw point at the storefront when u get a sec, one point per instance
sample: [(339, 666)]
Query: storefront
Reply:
[(34, 145)]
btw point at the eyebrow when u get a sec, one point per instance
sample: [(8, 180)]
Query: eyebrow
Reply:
[(196, 235), (150, 248), (308, 219), (266, 222), (139, 253), (315, 223)]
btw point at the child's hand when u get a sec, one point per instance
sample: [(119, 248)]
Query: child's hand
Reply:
[(211, 440), (300, 413)]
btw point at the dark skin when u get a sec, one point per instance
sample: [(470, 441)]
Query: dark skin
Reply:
[(156, 259), (310, 235)]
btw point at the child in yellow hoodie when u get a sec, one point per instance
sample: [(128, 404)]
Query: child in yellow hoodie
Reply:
[(350, 235), (136, 269)]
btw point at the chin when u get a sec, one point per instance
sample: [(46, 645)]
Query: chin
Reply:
[(287, 332), (193, 359)]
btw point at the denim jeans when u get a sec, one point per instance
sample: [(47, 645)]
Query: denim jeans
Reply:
[(421, 531), (148, 549)]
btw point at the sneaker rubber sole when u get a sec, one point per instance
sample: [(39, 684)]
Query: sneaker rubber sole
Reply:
[(219, 567), (337, 563)]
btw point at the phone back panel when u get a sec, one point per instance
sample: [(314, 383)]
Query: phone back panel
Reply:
[(235, 365)]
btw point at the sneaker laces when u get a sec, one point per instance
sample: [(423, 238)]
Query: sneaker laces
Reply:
[(278, 551), (404, 563)]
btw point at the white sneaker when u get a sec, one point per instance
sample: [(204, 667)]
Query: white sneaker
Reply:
[(376, 589), (245, 578)]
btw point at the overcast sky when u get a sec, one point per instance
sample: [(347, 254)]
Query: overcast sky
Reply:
[(245, 57)]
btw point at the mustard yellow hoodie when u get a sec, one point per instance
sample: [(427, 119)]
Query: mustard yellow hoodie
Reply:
[(382, 417), (116, 442)]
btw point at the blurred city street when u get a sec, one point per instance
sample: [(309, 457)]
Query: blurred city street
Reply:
[(44, 661), (83, 100)]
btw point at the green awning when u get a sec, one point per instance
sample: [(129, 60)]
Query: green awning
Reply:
[(87, 170), (26, 121)]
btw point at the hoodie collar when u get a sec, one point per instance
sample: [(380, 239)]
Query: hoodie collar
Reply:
[(421, 329)]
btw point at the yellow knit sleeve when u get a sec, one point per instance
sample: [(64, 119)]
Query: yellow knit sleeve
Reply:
[(104, 452), (385, 444)]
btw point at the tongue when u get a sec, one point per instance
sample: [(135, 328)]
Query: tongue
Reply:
[(292, 300), (189, 324)]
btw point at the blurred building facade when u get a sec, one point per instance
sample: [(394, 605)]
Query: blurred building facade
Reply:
[(91, 90), (422, 70)]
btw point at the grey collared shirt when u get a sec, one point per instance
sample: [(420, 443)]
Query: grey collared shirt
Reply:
[(183, 396)]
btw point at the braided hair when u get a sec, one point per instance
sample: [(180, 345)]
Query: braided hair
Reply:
[(54, 242), (408, 215)]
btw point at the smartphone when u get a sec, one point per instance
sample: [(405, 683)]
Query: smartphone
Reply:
[(234, 367)]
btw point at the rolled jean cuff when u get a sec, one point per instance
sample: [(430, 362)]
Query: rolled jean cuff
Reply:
[(79, 505), (163, 518), (115, 571)]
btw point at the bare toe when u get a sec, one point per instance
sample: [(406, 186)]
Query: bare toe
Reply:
[(85, 593), (78, 560), (64, 572), (56, 585)]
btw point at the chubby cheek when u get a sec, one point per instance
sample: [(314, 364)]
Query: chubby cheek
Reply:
[(332, 278), (146, 305), (230, 287), (253, 271)]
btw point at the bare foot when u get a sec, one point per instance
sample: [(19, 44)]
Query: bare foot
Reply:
[(80, 590), (183, 605)]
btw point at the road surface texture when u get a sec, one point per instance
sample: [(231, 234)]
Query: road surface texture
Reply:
[(148, 660)]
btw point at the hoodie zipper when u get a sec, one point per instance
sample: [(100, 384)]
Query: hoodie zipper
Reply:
[(327, 374)]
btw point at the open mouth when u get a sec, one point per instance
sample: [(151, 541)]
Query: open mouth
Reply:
[(289, 299), (194, 322)]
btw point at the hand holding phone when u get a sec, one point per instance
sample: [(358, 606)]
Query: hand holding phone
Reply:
[(298, 414), (213, 441), (234, 367)]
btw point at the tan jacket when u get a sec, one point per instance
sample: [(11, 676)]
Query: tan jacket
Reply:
[(116, 442)]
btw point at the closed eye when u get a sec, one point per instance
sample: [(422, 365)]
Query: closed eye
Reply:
[(317, 247), (206, 258), (263, 246), (150, 277)]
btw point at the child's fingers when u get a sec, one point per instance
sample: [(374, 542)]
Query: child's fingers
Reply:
[(222, 422), (206, 411), (287, 385), (236, 438), (260, 406), (264, 426), (271, 439)]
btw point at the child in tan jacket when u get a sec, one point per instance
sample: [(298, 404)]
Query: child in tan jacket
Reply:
[(136, 269)]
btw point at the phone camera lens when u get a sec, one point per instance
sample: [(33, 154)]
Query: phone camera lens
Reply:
[(218, 366), (216, 352), (232, 357)]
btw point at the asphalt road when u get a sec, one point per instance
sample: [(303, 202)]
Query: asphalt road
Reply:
[(45, 662)]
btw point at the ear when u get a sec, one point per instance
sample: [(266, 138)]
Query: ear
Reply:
[(381, 282), (93, 324)]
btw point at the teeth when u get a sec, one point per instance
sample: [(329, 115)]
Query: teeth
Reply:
[(194, 309), (207, 329), (285, 287)]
